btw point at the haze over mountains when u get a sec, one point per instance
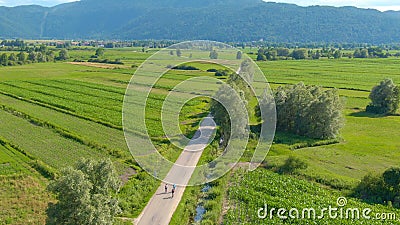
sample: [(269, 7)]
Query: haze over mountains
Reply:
[(220, 20)]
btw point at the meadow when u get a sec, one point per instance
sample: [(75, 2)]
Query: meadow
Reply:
[(53, 114)]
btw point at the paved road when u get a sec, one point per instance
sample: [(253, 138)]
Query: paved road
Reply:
[(162, 206)]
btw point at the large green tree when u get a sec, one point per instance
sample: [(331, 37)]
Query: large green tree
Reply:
[(63, 54), (4, 59), (178, 52), (299, 54), (308, 111), (84, 194), (236, 95), (21, 56), (213, 54), (99, 52), (385, 98)]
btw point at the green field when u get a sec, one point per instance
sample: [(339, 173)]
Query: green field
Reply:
[(53, 114)]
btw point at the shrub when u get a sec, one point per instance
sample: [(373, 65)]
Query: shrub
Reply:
[(292, 165), (183, 67)]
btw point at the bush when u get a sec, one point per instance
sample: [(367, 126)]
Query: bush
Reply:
[(213, 194), (183, 67), (207, 222), (292, 165), (106, 61), (221, 73)]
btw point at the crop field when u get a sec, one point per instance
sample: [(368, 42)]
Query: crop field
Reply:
[(359, 74), (53, 114), (251, 191)]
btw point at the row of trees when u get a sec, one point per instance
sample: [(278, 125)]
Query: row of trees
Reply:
[(264, 54), (298, 53), (21, 58), (235, 95)]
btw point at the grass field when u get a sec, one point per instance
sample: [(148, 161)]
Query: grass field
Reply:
[(60, 112)]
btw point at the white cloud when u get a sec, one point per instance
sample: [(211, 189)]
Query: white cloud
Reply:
[(33, 2), (382, 5)]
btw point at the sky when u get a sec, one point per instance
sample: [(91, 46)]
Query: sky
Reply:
[(382, 5), (33, 2)]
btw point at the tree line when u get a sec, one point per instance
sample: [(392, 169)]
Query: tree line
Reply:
[(272, 53), (38, 55)]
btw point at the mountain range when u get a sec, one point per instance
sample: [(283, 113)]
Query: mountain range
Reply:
[(220, 20)]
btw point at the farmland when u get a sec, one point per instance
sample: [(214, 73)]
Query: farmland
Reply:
[(53, 114)]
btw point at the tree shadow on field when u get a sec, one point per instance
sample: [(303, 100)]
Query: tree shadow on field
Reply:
[(367, 114)]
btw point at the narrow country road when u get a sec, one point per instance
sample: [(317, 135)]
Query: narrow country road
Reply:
[(162, 206)]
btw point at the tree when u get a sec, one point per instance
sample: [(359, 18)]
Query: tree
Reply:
[(239, 55), (12, 57), (357, 53), (234, 95), (385, 98), (382, 188), (261, 56), (99, 52), (41, 57), (178, 52), (392, 178), (32, 56), (283, 52), (299, 54), (213, 54), (247, 71), (316, 55), (50, 56), (308, 111), (337, 54), (225, 118), (4, 59), (63, 54), (21, 57), (364, 53), (42, 49), (84, 194)]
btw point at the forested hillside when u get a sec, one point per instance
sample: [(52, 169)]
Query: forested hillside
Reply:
[(222, 20)]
